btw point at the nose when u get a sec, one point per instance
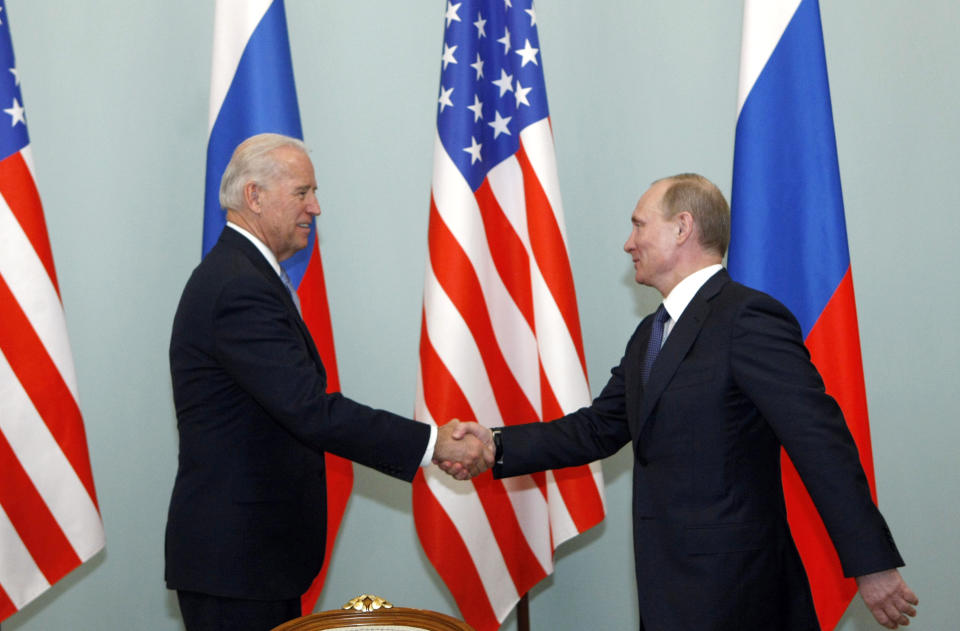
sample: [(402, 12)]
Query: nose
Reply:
[(314, 206)]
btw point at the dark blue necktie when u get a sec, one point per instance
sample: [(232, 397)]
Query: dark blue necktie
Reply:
[(656, 341)]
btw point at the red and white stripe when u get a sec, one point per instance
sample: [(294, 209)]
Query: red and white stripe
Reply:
[(500, 344), (49, 519)]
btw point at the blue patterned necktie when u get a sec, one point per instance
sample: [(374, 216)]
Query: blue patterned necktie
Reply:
[(656, 341), (293, 292)]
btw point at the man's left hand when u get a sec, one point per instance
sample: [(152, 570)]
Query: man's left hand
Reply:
[(888, 597)]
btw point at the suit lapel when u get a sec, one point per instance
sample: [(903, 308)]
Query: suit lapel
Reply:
[(234, 239), (678, 344)]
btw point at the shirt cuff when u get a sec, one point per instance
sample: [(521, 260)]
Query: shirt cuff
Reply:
[(427, 459)]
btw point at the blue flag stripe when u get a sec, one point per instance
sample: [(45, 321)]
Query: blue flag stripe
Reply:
[(788, 235), (262, 98)]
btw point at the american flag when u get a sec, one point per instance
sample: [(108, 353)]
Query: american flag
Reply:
[(49, 519), (500, 340), (252, 92)]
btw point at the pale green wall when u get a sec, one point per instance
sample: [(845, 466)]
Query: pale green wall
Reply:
[(116, 97)]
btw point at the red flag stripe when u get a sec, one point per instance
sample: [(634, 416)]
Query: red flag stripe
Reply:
[(550, 251), (45, 386), (20, 578), (33, 290), (456, 204), (455, 274), (444, 393), (50, 473), (560, 353), (493, 510), (339, 471), (316, 314), (21, 196), (523, 565), (507, 251), (500, 328), (446, 550), (7, 608), (49, 522), (32, 519), (459, 321), (578, 486), (834, 344)]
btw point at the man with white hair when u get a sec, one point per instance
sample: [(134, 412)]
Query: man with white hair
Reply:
[(246, 527)]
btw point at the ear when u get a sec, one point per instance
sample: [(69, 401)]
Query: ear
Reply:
[(251, 196), (684, 223)]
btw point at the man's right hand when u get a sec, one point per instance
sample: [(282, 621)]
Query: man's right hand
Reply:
[(464, 450)]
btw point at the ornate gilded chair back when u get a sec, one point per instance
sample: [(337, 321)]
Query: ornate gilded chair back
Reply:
[(372, 613)]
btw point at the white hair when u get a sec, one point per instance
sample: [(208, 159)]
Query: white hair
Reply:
[(251, 162)]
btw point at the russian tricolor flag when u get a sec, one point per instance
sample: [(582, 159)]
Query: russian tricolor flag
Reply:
[(789, 238), (252, 92)]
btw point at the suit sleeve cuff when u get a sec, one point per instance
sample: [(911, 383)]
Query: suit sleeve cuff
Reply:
[(431, 444)]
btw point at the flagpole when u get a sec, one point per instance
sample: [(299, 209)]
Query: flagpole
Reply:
[(523, 613)]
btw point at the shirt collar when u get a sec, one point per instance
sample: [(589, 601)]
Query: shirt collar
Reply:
[(264, 250), (677, 300)]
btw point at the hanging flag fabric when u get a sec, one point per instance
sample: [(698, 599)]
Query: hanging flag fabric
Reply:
[(252, 92), (500, 339), (49, 518), (789, 239)]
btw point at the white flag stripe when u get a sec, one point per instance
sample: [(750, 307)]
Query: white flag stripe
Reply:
[(420, 411), (454, 344), (32, 288), (47, 467), (537, 142), (458, 208), (533, 514), (20, 577), (561, 523), (561, 363), (506, 182), (233, 23), (27, 154), (490, 566), (763, 25), (596, 472), (462, 506)]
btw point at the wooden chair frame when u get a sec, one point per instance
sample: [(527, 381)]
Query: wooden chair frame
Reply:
[(386, 615)]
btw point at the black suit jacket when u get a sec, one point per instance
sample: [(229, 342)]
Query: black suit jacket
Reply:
[(247, 516), (731, 385)]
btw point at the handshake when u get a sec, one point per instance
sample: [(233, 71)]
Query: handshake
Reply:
[(464, 450)]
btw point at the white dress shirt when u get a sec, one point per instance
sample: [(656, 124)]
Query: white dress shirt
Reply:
[(680, 296)]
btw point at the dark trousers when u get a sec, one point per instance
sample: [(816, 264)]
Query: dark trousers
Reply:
[(203, 612)]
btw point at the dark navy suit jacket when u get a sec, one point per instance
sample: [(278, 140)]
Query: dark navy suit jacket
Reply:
[(731, 385), (247, 516)]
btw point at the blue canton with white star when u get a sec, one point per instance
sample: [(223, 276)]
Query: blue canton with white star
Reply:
[(13, 121), (491, 83)]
